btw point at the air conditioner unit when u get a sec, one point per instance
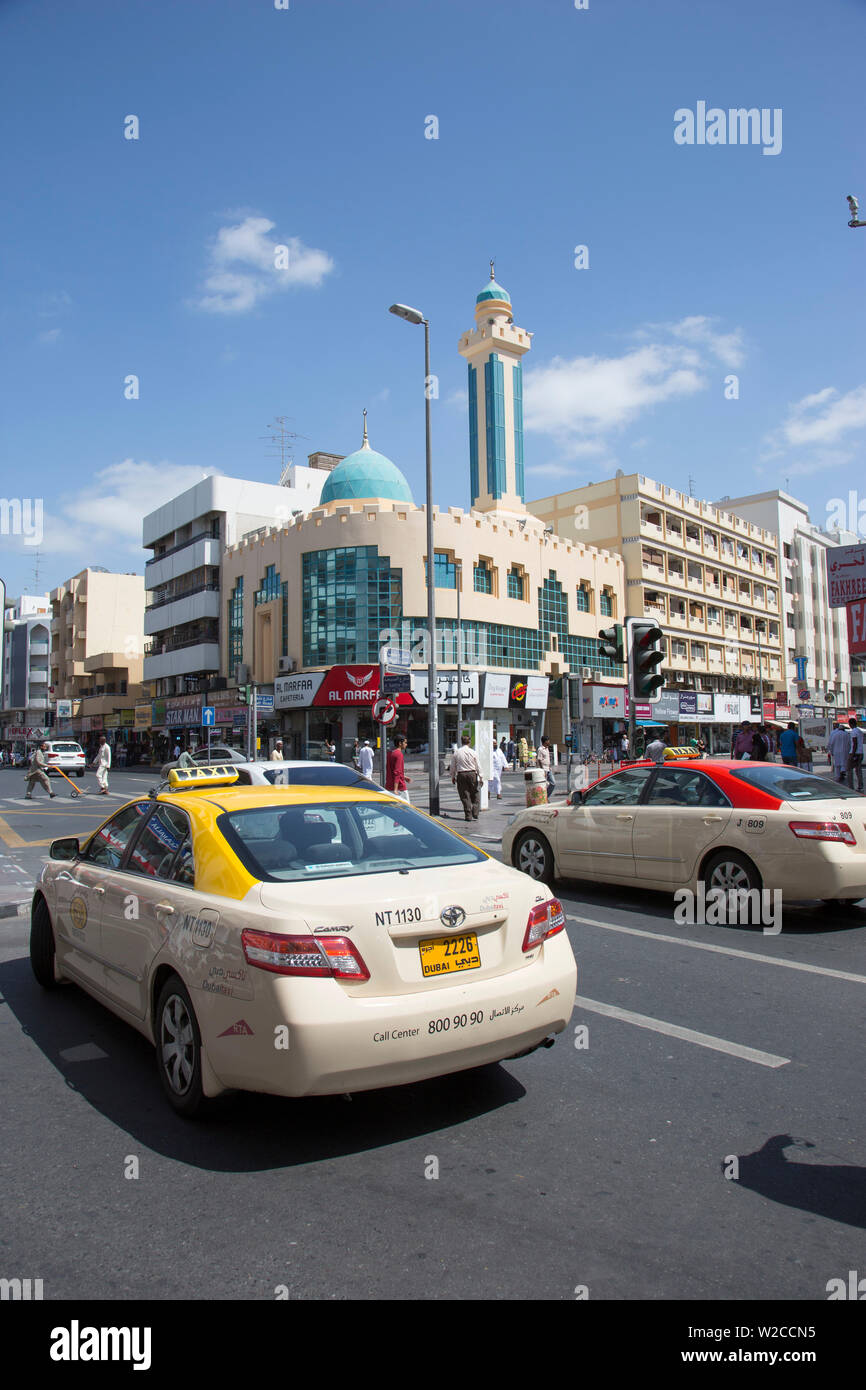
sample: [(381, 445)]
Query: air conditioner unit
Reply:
[(287, 663), (596, 675), (587, 673)]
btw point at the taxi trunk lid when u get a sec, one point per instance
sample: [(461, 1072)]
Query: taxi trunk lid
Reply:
[(418, 929)]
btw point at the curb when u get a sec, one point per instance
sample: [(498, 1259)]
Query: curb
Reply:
[(15, 909)]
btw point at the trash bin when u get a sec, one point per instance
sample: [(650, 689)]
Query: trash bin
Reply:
[(536, 786)]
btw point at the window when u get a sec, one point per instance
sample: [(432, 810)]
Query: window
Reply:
[(109, 843), (583, 599), (482, 578), (270, 588), (156, 848), (236, 626), (444, 571), (515, 583), (677, 787), (349, 595), (606, 605), (622, 789)]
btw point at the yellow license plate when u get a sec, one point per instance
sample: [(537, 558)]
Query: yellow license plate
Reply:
[(443, 955)]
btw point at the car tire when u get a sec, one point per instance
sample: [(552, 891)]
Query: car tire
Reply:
[(42, 949), (533, 856), (178, 1049), (730, 869), (79, 772)]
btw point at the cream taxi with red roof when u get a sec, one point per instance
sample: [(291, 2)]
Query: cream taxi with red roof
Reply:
[(301, 940), (729, 825)]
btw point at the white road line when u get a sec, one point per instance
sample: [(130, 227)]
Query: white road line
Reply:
[(723, 950), (673, 1030)]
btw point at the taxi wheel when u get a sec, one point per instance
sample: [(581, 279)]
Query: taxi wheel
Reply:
[(532, 855), (729, 870), (178, 1048), (42, 945)]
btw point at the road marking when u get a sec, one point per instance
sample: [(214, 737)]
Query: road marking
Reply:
[(724, 950), (673, 1030)]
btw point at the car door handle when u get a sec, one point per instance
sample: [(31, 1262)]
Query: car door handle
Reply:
[(624, 815), (94, 888), (164, 907), (710, 820)]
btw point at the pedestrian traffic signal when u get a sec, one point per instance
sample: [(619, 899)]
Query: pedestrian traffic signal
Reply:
[(646, 651), (611, 643), (244, 694)]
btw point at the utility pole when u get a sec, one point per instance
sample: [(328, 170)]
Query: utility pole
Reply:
[(459, 573)]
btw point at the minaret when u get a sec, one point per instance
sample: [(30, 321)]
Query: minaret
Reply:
[(493, 350)]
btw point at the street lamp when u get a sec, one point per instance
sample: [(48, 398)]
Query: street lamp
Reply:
[(403, 311)]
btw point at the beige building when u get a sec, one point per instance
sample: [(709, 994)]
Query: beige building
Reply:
[(97, 648), (709, 578)]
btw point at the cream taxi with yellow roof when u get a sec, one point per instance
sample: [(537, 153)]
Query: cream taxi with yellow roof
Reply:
[(301, 940)]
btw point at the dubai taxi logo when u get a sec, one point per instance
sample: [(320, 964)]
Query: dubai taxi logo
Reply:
[(737, 126), (722, 907), (78, 913)]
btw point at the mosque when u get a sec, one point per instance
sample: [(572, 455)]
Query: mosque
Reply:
[(309, 602)]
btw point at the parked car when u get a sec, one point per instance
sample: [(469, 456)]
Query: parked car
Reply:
[(301, 940), (293, 773), (219, 753)]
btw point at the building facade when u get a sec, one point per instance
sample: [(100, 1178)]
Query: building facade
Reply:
[(711, 580), (188, 535), (26, 643)]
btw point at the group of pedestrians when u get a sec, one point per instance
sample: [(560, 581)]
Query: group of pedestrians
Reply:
[(37, 772), (845, 747)]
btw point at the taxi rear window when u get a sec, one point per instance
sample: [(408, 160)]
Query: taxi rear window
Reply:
[(297, 843), (788, 784)]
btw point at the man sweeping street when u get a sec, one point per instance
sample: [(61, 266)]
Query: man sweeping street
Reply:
[(37, 772)]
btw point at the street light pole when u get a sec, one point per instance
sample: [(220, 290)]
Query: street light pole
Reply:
[(403, 311)]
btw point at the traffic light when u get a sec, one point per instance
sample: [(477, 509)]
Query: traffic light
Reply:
[(243, 694), (646, 651), (611, 643)]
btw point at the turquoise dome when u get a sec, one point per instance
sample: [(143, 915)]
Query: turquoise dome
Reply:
[(493, 291), (365, 474)]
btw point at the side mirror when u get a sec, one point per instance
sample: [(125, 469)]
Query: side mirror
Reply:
[(64, 849)]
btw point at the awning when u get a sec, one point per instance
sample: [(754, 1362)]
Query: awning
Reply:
[(653, 723)]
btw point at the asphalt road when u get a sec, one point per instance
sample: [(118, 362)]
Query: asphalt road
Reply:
[(599, 1163)]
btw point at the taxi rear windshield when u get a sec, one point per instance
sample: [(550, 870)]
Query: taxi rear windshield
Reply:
[(281, 845), (790, 785)]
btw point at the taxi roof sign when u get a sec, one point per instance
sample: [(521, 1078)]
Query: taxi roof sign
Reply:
[(216, 776)]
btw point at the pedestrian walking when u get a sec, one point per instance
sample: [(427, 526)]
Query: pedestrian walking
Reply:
[(395, 772), (37, 772), (365, 760), (656, 750), (102, 763), (499, 765), (330, 750), (625, 747), (855, 756), (277, 754), (741, 744), (804, 754), (760, 745), (544, 760), (523, 751), (510, 752), (839, 748), (466, 774), (788, 743)]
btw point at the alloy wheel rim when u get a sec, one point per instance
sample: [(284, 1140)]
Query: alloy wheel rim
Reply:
[(531, 858), (177, 1045), (729, 876)]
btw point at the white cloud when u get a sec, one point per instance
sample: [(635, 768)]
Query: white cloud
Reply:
[(49, 336), (459, 398), (698, 329), (246, 265), (594, 395), (822, 418)]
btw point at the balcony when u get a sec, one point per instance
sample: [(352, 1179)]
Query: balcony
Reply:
[(693, 540), (39, 649), (656, 611), (184, 608), (183, 559), (677, 618), (651, 527), (200, 657), (37, 677)]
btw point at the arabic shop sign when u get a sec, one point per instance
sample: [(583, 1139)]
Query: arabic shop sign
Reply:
[(846, 574), (857, 628)]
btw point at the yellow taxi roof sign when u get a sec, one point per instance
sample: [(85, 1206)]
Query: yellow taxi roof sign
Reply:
[(216, 776)]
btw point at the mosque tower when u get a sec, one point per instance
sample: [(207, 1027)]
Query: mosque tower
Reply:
[(493, 350)]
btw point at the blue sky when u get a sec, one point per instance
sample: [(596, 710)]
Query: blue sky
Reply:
[(306, 127)]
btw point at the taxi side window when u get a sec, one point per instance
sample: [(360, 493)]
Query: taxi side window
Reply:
[(678, 787), (622, 789), (109, 842), (155, 849), (184, 868)]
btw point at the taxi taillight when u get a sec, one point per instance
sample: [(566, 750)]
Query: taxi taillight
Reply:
[(545, 919), (332, 956), (822, 830)]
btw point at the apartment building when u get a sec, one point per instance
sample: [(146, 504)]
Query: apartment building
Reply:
[(815, 635), (182, 578), (709, 577), (26, 642), (97, 642)]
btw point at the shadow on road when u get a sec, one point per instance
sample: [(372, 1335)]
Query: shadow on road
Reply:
[(835, 1191), (245, 1132)]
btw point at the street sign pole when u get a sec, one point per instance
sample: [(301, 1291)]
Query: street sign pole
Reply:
[(382, 727)]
